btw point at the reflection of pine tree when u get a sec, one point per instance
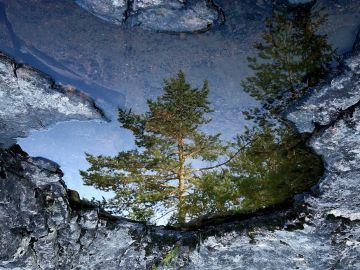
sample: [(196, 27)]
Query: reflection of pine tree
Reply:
[(159, 171), (260, 169), (271, 167), (292, 57), (265, 167)]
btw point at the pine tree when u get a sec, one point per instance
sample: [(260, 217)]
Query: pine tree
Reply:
[(158, 173), (292, 57), (269, 167)]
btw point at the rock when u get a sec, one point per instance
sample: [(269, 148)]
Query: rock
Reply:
[(32, 100), (175, 16), (326, 103), (190, 17), (109, 10), (144, 4), (40, 230)]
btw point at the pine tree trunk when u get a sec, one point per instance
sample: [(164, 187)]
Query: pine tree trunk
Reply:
[(181, 178)]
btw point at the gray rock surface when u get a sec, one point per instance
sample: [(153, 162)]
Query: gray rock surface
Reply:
[(32, 100), (39, 229), (144, 4), (176, 16), (326, 103), (109, 10)]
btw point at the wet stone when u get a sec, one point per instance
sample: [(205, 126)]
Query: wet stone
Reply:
[(176, 16), (144, 4), (326, 102), (32, 100), (195, 16), (109, 10)]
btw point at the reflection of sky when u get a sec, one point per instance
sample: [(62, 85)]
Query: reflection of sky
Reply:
[(65, 143)]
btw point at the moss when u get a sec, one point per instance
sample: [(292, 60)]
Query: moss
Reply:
[(171, 255), (168, 258), (78, 204)]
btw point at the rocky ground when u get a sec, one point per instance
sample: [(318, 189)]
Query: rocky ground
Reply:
[(45, 226), (176, 16), (41, 226)]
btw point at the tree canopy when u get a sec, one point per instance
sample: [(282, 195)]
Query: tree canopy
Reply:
[(177, 169), (263, 167), (269, 167), (159, 172), (291, 58)]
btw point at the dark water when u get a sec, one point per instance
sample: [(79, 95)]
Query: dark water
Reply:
[(122, 67)]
